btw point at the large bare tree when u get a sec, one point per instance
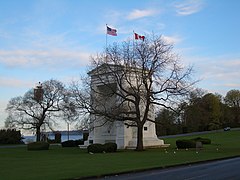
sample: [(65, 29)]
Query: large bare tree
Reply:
[(31, 112), (129, 80)]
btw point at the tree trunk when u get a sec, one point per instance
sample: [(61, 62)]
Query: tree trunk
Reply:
[(139, 138), (38, 134)]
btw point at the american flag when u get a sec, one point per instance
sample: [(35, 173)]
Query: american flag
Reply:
[(112, 32)]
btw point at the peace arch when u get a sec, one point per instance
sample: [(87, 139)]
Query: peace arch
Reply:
[(103, 130)]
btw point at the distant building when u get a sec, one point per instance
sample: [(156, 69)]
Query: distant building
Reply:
[(73, 132)]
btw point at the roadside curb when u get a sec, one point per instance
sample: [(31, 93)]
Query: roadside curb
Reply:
[(155, 168)]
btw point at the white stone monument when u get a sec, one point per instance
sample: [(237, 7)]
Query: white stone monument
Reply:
[(116, 131)]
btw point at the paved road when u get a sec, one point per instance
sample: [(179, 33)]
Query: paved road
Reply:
[(217, 170)]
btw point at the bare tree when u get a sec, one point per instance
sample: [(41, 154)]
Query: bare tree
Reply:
[(127, 81), (26, 112)]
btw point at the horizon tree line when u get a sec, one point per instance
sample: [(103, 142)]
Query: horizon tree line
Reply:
[(202, 111)]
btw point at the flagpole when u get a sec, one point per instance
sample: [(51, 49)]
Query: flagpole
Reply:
[(106, 46), (133, 46)]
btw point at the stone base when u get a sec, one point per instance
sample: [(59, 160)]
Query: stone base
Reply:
[(82, 146), (150, 142)]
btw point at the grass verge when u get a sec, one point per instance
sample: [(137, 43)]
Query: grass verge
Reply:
[(69, 163)]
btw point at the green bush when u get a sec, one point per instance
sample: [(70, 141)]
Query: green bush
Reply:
[(110, 147), (185, 143), (70, 143), (10, 136), (38, 146), (95, 148), (203, 140), (100, 148), (79, 142)]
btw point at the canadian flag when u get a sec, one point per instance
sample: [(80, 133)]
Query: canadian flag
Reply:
[(138, 37)]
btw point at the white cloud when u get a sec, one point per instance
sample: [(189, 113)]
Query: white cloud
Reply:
[(14, 82), (233, 63), (217, 74), (113, 16), (188, 7), (172, 39), (232, 85), (137, 13), (222, 68), (218, 68), (43, 58)]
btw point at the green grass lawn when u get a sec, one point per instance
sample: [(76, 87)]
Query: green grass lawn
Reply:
[(67, 163)]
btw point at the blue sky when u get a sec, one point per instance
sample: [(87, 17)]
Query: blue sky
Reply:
[(42, 39)]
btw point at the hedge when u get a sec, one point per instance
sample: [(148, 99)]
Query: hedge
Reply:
[(202, 140), (72, 143), (100, 148), (38, 146), (110, 147), (185, 143), (95, 148), (79, 142)]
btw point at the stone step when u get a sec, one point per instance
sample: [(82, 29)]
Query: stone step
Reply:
[(150, 147)]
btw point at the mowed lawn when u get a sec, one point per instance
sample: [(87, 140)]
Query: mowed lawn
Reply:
[(70, 163)]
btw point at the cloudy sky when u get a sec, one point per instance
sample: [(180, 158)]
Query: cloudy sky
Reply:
[(43, 39)]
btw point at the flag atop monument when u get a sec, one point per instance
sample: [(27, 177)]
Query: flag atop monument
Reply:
[(139, 37), (111, 31)]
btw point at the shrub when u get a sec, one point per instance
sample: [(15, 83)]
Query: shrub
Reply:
[(79, 142), (70, 143), (110, 147), (95, 148), (202, 140), (38, 146), (185, 143), (10, 136), (100, 148)]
